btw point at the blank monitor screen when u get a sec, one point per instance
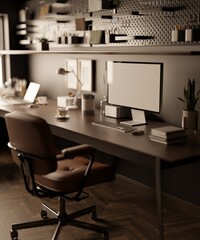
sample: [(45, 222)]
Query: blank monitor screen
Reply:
[(135, 85)]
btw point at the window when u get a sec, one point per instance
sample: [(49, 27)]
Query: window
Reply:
[(4, 45), (1, 73)]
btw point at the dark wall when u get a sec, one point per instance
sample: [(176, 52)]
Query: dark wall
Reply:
[(19, 64), (11, 8)]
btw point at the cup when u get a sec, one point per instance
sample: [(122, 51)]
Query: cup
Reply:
[(42, 99), (61, 112)]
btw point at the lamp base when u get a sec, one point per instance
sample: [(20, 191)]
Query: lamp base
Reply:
[(68, 102), (72, 107)]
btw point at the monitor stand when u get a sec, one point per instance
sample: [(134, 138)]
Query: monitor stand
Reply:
[(138, 118)]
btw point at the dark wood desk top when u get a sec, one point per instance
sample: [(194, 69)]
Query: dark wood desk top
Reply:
[(79, 128)]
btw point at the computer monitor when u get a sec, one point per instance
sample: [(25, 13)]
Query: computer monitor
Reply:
[(136, 85)]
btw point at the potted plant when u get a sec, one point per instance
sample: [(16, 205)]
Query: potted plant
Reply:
[(43, 44), (190, 98)]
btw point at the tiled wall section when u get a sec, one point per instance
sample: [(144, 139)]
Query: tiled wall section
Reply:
[(157, 24)]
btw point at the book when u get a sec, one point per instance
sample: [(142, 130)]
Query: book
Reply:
[(173, 141), (167, 131), (169, 136)]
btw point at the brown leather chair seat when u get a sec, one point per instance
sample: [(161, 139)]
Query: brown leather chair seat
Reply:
[(69, 174)]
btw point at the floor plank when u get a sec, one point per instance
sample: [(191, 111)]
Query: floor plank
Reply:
[(126, 209)]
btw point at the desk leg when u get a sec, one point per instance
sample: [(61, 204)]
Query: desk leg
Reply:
[(158, 178)]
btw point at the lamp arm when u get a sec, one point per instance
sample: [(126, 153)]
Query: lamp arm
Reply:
[(80, 84), (77, 78), (76, 97)]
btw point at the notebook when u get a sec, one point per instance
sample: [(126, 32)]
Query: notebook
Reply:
[(29, 96)]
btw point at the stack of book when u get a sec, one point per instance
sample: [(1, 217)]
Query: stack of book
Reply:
[(168, 135)]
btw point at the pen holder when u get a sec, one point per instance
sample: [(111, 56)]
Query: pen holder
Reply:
[(88, 104)]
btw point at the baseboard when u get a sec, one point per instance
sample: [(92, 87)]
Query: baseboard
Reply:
[(173, 202), (183, 206)]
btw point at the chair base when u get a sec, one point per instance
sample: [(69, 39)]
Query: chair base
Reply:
[(61, 218)]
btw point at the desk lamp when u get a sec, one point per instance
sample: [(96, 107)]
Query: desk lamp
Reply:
[(62, 71)]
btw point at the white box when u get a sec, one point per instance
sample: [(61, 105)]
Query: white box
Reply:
[(96, 5), (116, 111), (64, 101)]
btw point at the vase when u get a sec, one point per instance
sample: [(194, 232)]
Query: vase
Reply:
[(190, 119), (42, 46)]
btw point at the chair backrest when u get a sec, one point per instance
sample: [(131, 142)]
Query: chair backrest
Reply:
[(31, 135)]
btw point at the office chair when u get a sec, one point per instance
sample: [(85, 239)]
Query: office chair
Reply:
[(48, 174)]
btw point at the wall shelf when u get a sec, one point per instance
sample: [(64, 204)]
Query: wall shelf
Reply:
[(143, 50), (125, 19)]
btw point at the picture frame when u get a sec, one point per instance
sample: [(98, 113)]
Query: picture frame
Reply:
[(86, 69), (71, 65)]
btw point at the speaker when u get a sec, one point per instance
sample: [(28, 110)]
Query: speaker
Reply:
[(116, 111)]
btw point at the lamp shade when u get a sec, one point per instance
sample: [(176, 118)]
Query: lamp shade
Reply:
[(62, 71)]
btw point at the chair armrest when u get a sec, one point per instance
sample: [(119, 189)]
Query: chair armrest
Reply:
[(71, 152)]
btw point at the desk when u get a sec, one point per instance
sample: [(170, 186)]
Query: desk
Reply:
[(79, 129)]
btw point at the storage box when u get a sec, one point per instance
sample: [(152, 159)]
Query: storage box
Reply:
[(96, 5), (116, 111), (65, 101)]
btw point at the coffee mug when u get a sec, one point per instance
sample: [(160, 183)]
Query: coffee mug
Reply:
[(62, 112), (42, 99)]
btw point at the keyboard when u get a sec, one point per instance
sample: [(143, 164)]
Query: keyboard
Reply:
[(114, 126)]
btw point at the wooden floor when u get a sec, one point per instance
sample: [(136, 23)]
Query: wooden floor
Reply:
[(125, 208)]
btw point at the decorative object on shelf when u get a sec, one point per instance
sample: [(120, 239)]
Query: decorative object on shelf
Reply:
[(192, 34), (97, 5), (178, 34), (43, 44), (97, 37), (190, 113), (61, 8), (82, 24)]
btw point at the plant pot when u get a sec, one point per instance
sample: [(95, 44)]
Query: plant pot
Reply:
[(190, 119), (42, 46)]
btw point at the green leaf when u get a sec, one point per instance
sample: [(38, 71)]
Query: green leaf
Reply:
[(190, 97)]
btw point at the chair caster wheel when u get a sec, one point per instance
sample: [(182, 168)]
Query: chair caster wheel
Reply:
[(94, 215), (43, 214), (105, 236), (14, 235)]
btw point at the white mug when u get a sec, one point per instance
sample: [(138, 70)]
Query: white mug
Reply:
[(42, 99), (61, 112)]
